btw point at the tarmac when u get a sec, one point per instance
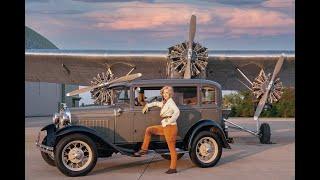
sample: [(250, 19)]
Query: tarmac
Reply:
[(248, 159)]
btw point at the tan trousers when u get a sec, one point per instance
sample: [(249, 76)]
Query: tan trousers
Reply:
[(170, 134)]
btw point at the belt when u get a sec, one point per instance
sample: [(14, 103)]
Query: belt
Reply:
[(167, 117)]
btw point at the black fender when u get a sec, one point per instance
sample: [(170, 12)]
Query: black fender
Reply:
[(91, 132), (51, 129), (196, 128)]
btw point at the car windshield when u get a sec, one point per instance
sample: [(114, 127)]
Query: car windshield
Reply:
[(121, 95)]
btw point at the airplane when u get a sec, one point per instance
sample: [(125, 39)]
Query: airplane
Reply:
[(98, 69)]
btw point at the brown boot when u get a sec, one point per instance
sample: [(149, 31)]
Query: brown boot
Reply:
[(140, 153), (171, 171)]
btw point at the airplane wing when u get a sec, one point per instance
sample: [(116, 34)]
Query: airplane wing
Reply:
[(222, 67), (79, 66)]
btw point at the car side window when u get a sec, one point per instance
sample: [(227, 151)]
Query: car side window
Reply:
[(185, 95), (208, 95), (121, 95), (143, 95)]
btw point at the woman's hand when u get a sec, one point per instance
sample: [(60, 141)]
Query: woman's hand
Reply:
[(144, 109)]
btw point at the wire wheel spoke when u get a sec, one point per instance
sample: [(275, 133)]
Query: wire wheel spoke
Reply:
[(207, 149), (76, 155)]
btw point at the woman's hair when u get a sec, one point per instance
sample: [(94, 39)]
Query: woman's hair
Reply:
[(169, 88)]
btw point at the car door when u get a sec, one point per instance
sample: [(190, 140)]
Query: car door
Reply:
[(123, 116), (186, 98), (152, 117)]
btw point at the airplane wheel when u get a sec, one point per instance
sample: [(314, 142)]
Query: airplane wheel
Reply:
[(265, 133), (168, 157)]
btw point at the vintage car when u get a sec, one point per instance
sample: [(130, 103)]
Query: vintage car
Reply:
[(78, 136)]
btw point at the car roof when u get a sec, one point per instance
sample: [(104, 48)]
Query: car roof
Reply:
[(163, 82)]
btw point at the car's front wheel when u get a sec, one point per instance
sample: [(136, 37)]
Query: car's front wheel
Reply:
[(206, 149), (76, 155)]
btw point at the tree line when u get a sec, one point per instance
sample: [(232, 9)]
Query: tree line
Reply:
[(243, 104)]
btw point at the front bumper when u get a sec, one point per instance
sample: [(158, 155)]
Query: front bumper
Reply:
[(42, 147)]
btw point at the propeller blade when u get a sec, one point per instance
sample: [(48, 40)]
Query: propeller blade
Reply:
[(277, 68), (79, 91), (192, 30), (264, 98), (261, 104), (126, 78), (121, 79)]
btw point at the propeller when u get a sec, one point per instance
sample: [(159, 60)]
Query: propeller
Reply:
[(264, 98), (116, 80), (192, 32)]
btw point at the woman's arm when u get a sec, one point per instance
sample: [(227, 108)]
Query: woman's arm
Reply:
[(156, 103)]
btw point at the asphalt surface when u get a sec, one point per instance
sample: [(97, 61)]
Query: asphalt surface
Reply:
[(248, 159)]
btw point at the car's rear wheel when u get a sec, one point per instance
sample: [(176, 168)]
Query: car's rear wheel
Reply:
[(48, 158), (206, 149), (168, 156), (76, 155)]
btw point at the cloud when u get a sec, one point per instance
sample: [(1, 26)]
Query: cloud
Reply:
[(57, 12), (237, 2), (258, 19), (147, 16), (220, 21), (37, 1), (110, 1), (279, 3), (162, 21)]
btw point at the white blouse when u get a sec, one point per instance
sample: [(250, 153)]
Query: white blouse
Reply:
[(169, 109)]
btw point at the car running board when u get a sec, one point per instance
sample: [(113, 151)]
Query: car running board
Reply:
[(167, 152)]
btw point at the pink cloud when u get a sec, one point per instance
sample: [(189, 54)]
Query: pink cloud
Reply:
[(258, 19), (171, 20), (258, 22), (148, 16)]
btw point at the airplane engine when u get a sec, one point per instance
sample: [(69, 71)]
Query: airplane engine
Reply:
[(178, 57), (101, 95), (260, 84)]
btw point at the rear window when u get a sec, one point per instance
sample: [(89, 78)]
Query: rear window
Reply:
[(208, 95), (185, 95)]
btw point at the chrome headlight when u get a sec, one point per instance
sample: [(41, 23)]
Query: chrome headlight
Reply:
[(66, 119), (56, 118)]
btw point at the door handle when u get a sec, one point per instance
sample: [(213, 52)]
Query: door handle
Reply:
[(119, 111)]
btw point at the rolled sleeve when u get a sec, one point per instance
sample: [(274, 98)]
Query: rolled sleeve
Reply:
[(158, 104)]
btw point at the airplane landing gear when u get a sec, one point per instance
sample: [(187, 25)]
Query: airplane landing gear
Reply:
[(264, 133)]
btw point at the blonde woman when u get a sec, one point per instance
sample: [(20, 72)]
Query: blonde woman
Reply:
[(170, 113)]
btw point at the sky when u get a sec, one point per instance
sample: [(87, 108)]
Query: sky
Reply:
[(157, 25)]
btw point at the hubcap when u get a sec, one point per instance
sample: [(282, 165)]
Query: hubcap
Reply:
[(207, 149), (76, 155)]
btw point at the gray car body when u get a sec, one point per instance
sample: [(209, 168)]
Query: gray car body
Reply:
[(124, 123)]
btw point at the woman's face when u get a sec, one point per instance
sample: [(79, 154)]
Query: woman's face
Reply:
[(166, 94)]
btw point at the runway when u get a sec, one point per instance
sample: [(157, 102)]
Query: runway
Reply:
[(248, 159)]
